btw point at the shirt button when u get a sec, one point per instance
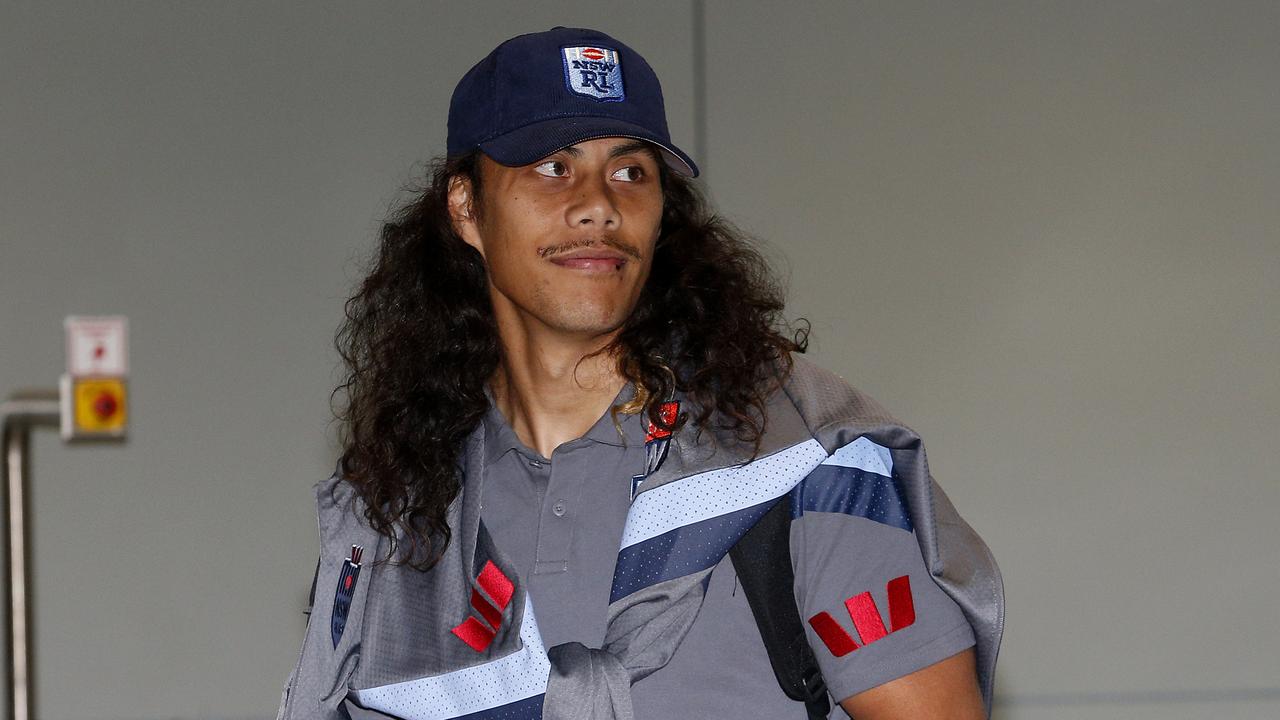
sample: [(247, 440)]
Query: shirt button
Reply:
[(535, 463), (558, 508)]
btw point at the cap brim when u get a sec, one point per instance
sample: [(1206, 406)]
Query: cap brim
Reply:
[(538, 140)]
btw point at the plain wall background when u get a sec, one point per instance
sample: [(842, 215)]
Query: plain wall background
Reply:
[(1045, 234)]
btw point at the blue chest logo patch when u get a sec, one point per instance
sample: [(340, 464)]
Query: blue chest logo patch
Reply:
[(594, 72), (346, 590)]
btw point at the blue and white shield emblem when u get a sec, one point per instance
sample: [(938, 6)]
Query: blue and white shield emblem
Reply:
[(594, 72)]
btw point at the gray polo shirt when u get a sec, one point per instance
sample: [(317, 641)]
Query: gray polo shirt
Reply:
[(560, 520)]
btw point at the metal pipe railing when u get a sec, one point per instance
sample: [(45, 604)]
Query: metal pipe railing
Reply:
[(19, 415)]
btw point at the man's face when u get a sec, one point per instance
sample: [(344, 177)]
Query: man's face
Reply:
[(568, 240)]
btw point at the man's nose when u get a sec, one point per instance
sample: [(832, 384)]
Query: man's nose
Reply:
[(594, 205)]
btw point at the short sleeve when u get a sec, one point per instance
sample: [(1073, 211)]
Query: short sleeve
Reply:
[(870, 608)]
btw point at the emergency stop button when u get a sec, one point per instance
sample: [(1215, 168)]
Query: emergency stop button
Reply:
[(99, 405), (94, 390)]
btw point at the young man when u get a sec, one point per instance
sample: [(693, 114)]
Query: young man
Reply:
[(570, 395)]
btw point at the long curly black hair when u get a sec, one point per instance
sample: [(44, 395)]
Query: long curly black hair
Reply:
[(420, 343)]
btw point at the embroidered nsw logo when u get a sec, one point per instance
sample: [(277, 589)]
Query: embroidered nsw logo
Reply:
[(499, 589), (866, 618), (346, 590), (595, 72)]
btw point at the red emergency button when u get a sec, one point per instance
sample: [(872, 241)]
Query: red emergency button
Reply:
[(105, 406)]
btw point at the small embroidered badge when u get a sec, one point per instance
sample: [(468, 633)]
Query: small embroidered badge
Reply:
[(656, 442), (346, 590), (658, 439), (594, 72)]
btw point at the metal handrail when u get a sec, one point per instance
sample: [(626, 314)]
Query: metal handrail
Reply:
[(19, 415)]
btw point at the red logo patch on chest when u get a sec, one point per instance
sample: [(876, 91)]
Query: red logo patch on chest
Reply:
[(499, 588)]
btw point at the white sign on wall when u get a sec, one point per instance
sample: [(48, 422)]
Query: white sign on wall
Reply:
[(97, 345)]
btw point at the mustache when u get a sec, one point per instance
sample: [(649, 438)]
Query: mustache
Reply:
[(572, 245)]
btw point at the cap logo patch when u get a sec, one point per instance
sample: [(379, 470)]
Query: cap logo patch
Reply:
[(594, 72)]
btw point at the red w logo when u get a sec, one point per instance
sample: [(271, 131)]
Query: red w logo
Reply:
[(499, 589), (866, 618)]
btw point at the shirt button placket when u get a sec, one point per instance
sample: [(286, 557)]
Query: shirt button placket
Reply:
[(554, 535)]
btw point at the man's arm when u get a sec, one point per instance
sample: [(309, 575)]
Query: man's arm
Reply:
[(946, 690)]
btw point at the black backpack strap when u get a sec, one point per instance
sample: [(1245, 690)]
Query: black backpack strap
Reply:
[(311, 596), (762, 559)]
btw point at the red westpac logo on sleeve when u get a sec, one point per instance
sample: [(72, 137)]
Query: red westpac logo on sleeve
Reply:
[(499, 588), (866, 618)]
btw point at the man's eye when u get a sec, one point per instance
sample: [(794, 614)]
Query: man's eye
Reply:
[(629, 174), (552, 168)]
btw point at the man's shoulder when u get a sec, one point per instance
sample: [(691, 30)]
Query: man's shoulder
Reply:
[(824, 399), (338, 503), (334, 491)]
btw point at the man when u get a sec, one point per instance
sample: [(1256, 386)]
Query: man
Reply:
[(570, 390)]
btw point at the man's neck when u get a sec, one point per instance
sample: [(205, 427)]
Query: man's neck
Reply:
[(550, 391)]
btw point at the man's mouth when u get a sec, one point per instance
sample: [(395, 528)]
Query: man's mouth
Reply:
[(592, 256), (592, 260)]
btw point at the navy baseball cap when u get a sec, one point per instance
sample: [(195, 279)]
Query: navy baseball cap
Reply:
[(540, 92)]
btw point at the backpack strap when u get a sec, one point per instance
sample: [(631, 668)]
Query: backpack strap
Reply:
[(762, 559)]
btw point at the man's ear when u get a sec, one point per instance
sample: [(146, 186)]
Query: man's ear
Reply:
[(462, 212)]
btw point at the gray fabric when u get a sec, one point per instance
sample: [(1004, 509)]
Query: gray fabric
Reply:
[(376, 648), (643, 635), (432, 603), (645, 628), (818, 404), (318, 685), (835, 556), (838, 557), (577, 673), (721, 669), (961, 564), (560, 519)]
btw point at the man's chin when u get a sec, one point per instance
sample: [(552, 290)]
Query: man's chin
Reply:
[(588, 321)]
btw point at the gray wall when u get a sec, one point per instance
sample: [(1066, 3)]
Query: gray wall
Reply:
[(1045, 234)]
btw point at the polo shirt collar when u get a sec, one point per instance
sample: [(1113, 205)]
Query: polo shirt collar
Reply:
[(500, 438)]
